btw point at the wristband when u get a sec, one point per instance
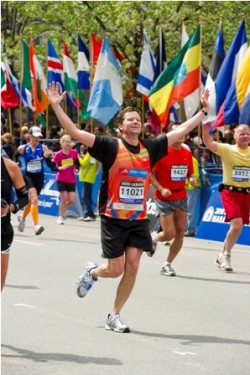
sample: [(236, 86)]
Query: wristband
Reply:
[(204, 111)]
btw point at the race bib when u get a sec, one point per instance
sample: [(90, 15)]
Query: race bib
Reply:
[(241, 174), (69, 162), (34, 166), (131, 192), (179, 172)]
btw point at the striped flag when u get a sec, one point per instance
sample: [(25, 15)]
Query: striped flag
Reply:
[(55, 71), (106, 94), (9, 98), (83, 65), (55, 67), (191, 101), (230, 65), (216, 62), (21, 92), (70, 82), (230, 110), (180, 78), (147, 68), (39, 82)]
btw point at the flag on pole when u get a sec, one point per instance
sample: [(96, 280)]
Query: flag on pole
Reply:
[(180, 78), (96, 45), (230, 65), (230, 110), (55, 71), (161, 59), (70, 82), (39, 82), (26, 75), (83, 65), (216, 62), (70, 76), (55, 67), (147, 68), (23, 93), (191, 101), (9, 98), (106, 94)]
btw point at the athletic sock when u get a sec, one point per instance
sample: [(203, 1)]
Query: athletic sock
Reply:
[(34, 213)]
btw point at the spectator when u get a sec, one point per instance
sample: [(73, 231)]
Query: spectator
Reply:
[(9, 145), (87, 174), (194, 195)]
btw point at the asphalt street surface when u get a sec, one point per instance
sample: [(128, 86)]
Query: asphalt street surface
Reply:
[(192, 324)]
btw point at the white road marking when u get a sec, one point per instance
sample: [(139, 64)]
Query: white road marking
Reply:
[(183, 353), (28, 242), (24, 305)]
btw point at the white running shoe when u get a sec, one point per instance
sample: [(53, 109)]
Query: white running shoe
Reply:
[(226, 263), (60, 220), (85, 281), (114, 323), (167, 270)]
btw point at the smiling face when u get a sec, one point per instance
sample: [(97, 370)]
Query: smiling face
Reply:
[(131, 124), (242, 136), (128, 121)]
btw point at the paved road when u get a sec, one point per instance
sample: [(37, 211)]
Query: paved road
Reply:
[(192, 324)]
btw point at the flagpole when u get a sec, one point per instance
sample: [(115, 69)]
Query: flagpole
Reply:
[(20, 81), (181, 109), (199, 126), (47, 77), (217, 130), (91, 76), (10, 121), (65, 103), (78, 95)]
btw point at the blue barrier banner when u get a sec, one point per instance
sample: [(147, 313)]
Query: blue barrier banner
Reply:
[(212, 226), (49, 198)]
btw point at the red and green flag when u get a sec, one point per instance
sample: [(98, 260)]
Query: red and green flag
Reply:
[(179, 79)]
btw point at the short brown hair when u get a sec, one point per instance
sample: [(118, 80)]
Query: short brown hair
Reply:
[(121, 114)]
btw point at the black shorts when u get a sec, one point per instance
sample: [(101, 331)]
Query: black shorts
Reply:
[(34, 180), (7, 234), (117, 234), (64, 186)]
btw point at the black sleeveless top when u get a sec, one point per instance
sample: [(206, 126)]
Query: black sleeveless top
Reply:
[(6, 189)]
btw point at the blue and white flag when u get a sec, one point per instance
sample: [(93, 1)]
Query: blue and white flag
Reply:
[(25, 94), (83, 66), (147, 68), (106, 94)]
